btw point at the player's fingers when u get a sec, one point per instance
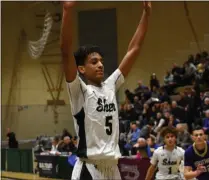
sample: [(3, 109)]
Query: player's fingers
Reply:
[(201, 167), (147, 3)]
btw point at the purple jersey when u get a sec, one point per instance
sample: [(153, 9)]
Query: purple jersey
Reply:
[(193, 160)]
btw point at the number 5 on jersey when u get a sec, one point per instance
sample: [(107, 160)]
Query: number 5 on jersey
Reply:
[(108, 125)]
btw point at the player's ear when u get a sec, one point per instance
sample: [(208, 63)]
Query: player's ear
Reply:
[(81, 69), (192, 137), (205, 137)]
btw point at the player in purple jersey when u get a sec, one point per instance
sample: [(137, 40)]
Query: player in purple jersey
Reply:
[(196, 158)]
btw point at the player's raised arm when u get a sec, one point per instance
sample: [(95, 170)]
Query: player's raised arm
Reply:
[(68, 60), (136, 42)]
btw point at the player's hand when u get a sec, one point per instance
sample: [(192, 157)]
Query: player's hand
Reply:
[(68, 4), (147, 7), (200, 169)]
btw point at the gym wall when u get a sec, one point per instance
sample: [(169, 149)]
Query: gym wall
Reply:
[(24, 90)]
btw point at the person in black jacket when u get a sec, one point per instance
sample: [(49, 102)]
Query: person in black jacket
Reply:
[(67, 146), (12, 141), (154, 81), (65, 132)]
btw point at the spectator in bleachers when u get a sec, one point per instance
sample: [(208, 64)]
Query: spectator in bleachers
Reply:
[(154, 112), (177, 72), (145, 106), (197, 59), (190, 71), (205, 75), (159, 123), (157, 106), (140, 89), (142, 148), (146, 130), (123, 118), (65, 133), (206, 122), (184, 138), (166, 107), (172, 121), (122, 141), (132, 136), (137, 106), (178, 111), (183, 102), (177, 69), (151, 142), (199, 72), (163, 95), (129, 96), (206, 104), (146, 114), (122, 112), (168, 79), (190, 110), (154, 82), (66, 146), (155, 92), (205, 55), (131, 114), (11, 137)]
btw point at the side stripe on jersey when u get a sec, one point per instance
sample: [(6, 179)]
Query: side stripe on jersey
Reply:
[(118, 78), (82, 150), (83, 92)]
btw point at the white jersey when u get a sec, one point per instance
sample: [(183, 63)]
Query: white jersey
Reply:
[(168, 162), (95, 115)]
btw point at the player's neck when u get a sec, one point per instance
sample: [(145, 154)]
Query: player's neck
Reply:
[(170, 148), (99, 84), (200, 146)]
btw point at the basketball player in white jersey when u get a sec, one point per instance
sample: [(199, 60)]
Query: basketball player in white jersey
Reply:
[(93, 104), (167, 158)]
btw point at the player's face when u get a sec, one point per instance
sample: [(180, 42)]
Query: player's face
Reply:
[(93, 68), (170, 140), (198, 137)]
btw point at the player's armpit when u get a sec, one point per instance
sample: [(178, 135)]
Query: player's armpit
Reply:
[(150, 172), (188, 173)]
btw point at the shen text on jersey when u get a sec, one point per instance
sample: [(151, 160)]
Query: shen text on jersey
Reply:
[(103, 106), (166, 162)]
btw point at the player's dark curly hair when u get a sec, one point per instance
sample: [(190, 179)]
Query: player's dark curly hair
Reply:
[(82, 53), (168, 130)]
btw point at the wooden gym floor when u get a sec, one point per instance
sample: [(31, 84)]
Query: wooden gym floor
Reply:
[(5, 175)]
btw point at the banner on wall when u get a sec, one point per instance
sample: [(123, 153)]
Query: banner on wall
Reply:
[(130, 168), (133, 169)]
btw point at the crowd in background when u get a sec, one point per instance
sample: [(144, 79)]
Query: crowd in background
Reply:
[(147, 110), (63, 144)]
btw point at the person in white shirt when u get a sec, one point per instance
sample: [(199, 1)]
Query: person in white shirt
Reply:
[(55, 143), (167, 158)]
